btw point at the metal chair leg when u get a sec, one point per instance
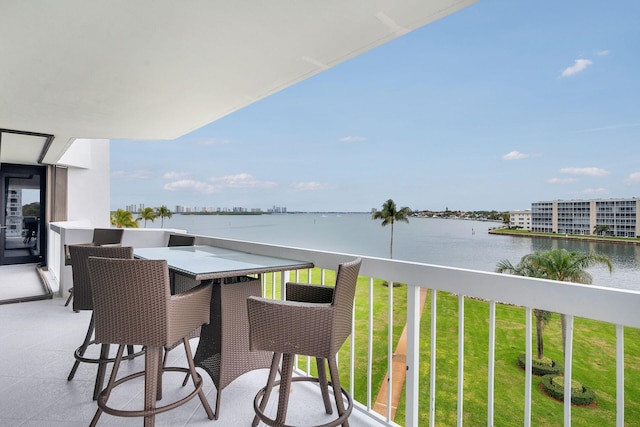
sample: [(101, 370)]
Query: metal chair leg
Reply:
[(267, 392), (112, 380), (324, 386), (70, 297), (82, 349), (102, 369), (337, 390)]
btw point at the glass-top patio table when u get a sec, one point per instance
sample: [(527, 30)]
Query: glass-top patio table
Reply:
[(223, 350)]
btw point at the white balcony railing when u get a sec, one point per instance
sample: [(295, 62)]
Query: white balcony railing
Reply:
[(616, 307)]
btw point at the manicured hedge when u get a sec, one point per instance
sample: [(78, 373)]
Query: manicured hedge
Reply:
[(584, 397), (539, 368)]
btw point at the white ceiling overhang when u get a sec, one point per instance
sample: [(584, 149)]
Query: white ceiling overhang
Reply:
[(158, 69)]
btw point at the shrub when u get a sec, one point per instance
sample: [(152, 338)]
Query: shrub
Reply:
[(544, 366), (581, 395)]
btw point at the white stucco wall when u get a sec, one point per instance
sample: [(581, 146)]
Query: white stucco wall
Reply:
[(88, 181)]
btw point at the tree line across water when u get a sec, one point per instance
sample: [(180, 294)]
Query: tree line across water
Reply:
[(124, 219)]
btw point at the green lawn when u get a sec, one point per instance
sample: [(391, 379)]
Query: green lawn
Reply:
[(593, 365)]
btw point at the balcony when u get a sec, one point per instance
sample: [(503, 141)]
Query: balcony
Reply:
[(39, 338)]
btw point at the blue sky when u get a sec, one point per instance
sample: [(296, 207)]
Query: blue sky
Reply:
[(494, 107)]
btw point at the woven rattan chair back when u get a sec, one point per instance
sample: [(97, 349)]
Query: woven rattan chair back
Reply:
[(82, 289), (131, 301), (107, 236), (343, 296), (181, 240)]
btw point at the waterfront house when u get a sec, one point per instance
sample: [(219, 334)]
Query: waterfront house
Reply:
[(76, 74)]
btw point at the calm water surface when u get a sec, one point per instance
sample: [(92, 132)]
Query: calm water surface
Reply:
[(448, 242)]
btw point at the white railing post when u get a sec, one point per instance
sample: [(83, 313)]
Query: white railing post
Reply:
[(619, 375), (432, 362), (528, 369), (460, 359), (568, 356), (284, 278), (273, 286), (413, 355), (389, 348), (492, 362), (370, 344), (352, 350)]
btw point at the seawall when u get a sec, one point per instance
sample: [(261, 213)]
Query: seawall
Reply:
[(567, 237)]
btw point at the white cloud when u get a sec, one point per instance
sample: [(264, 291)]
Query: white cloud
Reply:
[(352, 139), (219, 184), (175, 175), (602, 53), (633, 178), (561, 180), (309, 186), (192, 185), (578, 66), (612, 127), (241, 180), (515, 155), (594, 191), (212, 141), (138, 174), (585, 171)]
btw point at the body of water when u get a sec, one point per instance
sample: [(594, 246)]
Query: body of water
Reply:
[(447, 242)]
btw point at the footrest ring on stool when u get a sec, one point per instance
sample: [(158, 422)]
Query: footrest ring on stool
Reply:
[(271, 422), (102, 398), (79, 357)]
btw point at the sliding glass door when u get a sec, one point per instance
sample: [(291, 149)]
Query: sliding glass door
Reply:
[(22, 232)]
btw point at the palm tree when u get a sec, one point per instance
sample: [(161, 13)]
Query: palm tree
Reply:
[(122, 218), (147, 214), (389, 215), (525, 268), (163, 212), (601, 229), (565, 266)]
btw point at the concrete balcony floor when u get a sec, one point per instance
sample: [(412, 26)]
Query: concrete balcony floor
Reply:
[(38, 341)]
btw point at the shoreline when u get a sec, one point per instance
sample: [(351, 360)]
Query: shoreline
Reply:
[(497, 232)]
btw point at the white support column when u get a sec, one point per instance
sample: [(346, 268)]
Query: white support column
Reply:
[(413, 356), (460, 359)]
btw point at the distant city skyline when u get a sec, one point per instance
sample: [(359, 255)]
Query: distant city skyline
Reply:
[(494, 107)]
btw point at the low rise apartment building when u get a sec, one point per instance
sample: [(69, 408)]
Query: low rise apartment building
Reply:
[(621, 216), (520, 219)]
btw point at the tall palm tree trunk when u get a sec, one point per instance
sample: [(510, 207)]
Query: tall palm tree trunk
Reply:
[(391, 246), (539, 341), (563, 322)]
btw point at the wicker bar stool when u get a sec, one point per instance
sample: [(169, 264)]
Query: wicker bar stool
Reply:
[(179, 284), (101, 237), (83, 300), (133, 304), (314, 321)]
